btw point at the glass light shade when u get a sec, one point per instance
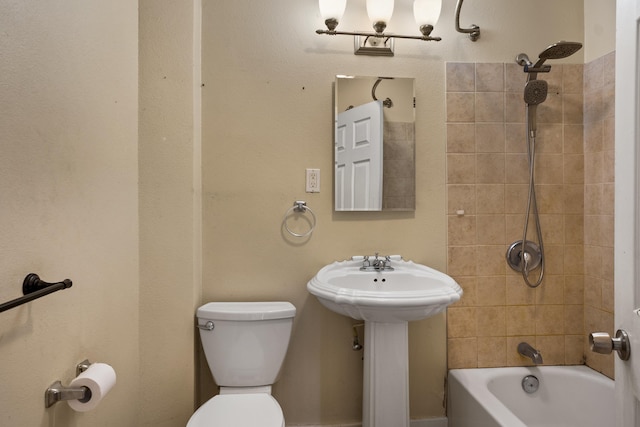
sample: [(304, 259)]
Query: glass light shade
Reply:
[(332, 9), (379, 10), (427, 12)]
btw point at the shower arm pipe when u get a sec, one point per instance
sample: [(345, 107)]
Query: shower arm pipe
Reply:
[(531, 68), (473, 31), (34, 288)]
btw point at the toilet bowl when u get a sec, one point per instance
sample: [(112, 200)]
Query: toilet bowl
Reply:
[(239, 410), (245, 344)]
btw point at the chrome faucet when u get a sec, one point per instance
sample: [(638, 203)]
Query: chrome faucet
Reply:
[(527, 351), (377, 264)]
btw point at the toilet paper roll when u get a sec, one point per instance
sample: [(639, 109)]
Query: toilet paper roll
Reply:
[(99, 379)]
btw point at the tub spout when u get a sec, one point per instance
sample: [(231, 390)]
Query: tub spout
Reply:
[(527, 351)]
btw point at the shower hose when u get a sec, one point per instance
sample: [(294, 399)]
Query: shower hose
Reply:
[(532, 206)]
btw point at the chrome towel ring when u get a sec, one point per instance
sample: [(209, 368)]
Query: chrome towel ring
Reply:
[(299, 206)]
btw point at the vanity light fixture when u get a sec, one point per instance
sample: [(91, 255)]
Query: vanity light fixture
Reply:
[(379, 43)]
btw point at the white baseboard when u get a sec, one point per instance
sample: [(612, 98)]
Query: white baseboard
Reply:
[(427, 422), (430, 422), (325, 425)]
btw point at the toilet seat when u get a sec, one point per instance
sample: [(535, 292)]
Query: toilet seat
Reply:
[(239, 410)]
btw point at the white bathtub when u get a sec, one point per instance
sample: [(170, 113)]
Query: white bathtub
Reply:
[(567, 396)]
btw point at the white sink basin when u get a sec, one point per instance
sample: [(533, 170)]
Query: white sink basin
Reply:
[(409, 292)]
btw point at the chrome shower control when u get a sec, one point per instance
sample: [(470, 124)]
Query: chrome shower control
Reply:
[(601, 342), (532, 255)]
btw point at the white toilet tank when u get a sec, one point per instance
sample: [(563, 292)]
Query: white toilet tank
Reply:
[(248, 342)]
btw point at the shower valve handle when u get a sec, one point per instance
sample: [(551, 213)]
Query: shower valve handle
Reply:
[(601, 342)]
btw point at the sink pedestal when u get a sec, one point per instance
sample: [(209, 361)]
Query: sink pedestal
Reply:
[(387, 300), (386, 375)]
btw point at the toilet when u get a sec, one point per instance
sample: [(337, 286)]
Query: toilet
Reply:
[(245, 344)]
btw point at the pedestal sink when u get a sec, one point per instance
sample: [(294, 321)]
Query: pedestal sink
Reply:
[(386, 297)]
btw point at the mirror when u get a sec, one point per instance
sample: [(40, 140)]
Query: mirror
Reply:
[(374, 145)]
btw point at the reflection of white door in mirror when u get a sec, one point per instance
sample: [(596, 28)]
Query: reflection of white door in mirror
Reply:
[(397, 192), (358, 158)]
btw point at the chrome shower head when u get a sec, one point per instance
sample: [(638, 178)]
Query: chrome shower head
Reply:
[(560, 50), (535, 92)]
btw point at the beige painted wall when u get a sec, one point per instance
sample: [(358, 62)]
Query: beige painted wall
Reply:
[(69, 113), (599, 28), (170, 210), (68, 186), (267, 115)]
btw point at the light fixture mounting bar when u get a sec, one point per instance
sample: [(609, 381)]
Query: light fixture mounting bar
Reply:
[(377, 44), (373, 46), (379, 35)]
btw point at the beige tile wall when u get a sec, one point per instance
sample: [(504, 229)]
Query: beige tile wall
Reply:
[(487, 179), (399, 191), (598, 202)]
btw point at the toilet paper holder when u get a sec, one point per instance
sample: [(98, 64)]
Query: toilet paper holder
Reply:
[(56, 392)]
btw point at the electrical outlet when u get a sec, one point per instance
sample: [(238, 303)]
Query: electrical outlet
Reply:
[(313, 181)]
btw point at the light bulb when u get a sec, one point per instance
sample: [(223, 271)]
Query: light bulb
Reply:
[(379, 11), (332, 11), (426, 12)]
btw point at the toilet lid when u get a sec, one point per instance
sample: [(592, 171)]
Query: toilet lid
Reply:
[(239, 410)]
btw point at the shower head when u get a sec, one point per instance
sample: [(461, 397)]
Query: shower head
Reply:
[(535, 92), (558, 50)]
